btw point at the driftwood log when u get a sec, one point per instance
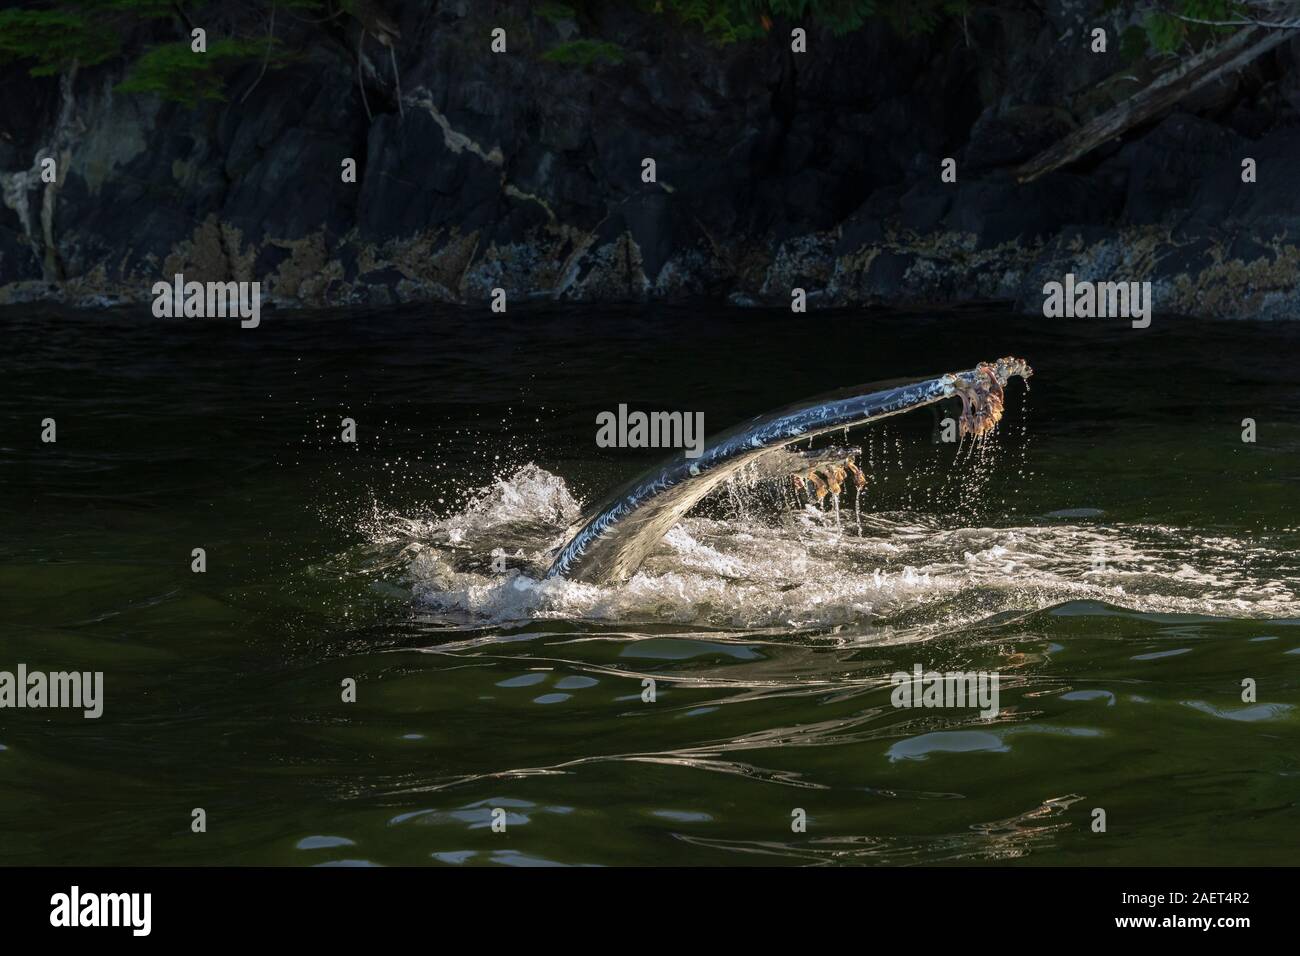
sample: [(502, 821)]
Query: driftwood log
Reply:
[(1164, 91)]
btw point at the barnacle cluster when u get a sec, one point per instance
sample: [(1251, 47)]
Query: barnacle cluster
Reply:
[(829, 477), (982, 396)]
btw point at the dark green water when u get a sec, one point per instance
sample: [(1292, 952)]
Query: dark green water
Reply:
[(770, 634)]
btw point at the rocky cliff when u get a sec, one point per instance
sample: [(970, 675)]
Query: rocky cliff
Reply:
[(774, 170)]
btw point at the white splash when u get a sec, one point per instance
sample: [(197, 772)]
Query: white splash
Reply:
[(802, 569)]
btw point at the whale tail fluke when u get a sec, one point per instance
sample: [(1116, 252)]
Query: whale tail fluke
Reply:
[(616, 536)]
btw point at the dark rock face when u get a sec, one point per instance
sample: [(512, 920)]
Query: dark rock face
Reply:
[(774, 170), (16, 257)]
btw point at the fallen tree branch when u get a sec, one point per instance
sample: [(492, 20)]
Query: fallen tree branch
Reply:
[(1163, 92)]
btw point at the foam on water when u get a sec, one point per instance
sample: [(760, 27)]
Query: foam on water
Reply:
[(911, 574)]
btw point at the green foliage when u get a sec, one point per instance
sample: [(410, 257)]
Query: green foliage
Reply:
[(585, 53), (922, 16), (173, 71), (1167, 31), (1133, 43), (731, 21), (52, 35), (1164, 32), (842, 16), (553, 11), (52, 40), (723, 22), (1167, 27), (1170, 25)]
